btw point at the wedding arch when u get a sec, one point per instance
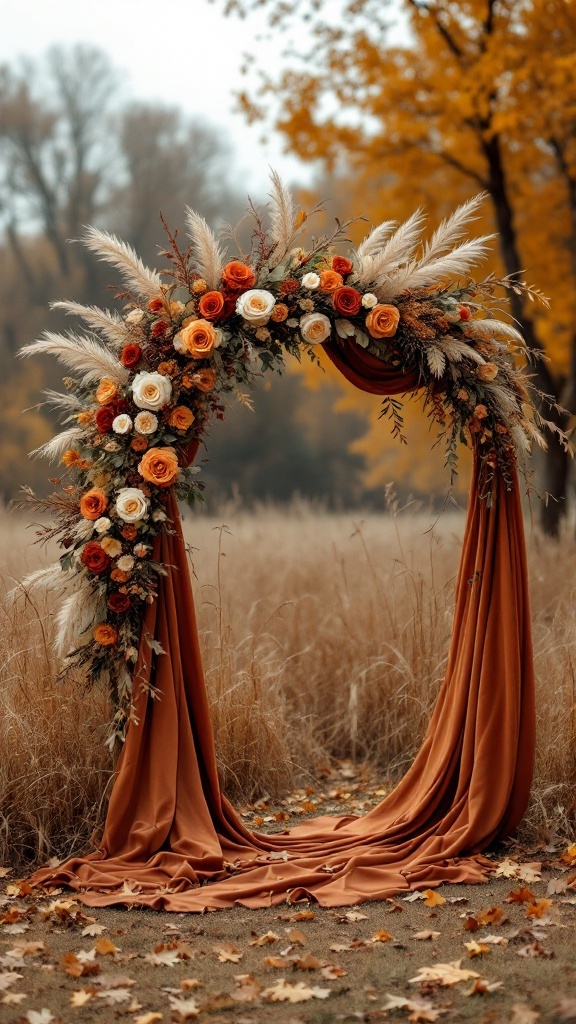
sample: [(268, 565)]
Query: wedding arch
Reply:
[(395, 316)]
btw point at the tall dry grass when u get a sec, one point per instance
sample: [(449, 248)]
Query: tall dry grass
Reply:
[(324, 635)]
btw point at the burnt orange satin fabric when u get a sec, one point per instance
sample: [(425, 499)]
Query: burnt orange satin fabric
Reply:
[(170, 831)]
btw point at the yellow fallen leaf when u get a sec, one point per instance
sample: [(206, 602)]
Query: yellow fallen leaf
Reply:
[(148, 1018), (105, 948), (81, 996), (307, 963), (427, 934), (297, 936), (433, 898), (539, 909), (380, 936), (476, 948), (444, 974), (284, 991)]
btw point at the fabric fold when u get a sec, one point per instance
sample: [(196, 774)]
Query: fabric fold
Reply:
[(172, 841)]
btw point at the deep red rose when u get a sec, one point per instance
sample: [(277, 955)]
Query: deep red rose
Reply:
[(104, 418), (131, 355), (347, 301), (118, 602), (155, 305), (95, 558), (121, 405), (159, 329), (341, 265)]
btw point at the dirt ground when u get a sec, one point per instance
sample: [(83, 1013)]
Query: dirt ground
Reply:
[(497, 953)]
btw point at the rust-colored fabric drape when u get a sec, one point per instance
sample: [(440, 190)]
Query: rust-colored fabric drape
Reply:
[(172, 841)]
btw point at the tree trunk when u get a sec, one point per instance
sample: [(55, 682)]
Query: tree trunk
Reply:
[(555, 464)]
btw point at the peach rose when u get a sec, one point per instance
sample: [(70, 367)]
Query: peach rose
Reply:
[(181, 418), (105, 635), (238, 276), (159, 466), (197, 338), (107, 391), (279, 313), (93, 504), (382, 321), (330, 280)]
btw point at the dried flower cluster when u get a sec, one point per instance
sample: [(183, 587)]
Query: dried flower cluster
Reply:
[(148, 381)]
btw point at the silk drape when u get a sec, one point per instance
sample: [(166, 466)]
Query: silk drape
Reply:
[(169, 830)]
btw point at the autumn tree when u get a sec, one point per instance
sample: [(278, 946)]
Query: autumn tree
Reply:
[(480, 95)]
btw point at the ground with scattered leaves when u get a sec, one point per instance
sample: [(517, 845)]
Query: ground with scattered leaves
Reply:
[(499, 953)]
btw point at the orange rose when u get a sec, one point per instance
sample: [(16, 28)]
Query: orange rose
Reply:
[(238, 276), (129, 531), (211, 304), (105, 635), (341, 265), (93, 504), (382, 321), (347, 301), (181, 418), (107, 392), (139, 444), (330, 280), (155, 305), (119, 576), (204, 379), (159, 466), (279, 313), (198, 338)]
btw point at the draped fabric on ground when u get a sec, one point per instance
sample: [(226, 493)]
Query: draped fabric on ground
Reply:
[(169, 828)]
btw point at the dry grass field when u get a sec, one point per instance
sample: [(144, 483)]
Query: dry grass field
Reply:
[(325, 636)]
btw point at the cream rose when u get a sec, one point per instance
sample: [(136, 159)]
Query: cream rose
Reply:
[(369, 300), (146, 423), (126, 563), (131, 505), (256, 305), (315, 328), (111, 546), (311, 281), (151, 390), (102, 525), (134, 317), (122, 424)]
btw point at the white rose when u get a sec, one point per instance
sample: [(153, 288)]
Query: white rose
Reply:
[(256, 305), (369, 300), (126, 563), (122, 424), (151, 390), (131, 505), (102, 525), (146, 423), (134, 317), (310, 281), (315, 328)]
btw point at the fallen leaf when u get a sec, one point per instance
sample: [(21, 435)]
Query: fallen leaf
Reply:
[(471, 924), (264, 940), (522, 1014), (43, 1016), (81, 996), (187, 1008), (148, 1018), (330, 971), (247, 989), (355, 915), (380, 936), (279, 962), (495, 940), (285, 991), (113, 996), (8, 978), (76, 968), (476, 948), (26, 949), (569, 855), (483, 987), (297, 936), (506, 869), (227, 953), (4, 872), (444, 974), (492, 916), (539, 909), (304, 915), (433, 898), (307, 963), (94, 929), (164, 958), (422, 936), (534, 949), (556, 887), (421, 1010), (105, 948)]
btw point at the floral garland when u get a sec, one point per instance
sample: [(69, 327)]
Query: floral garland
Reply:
[(148, 381)]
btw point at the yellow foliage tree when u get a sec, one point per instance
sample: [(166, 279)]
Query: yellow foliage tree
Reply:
[(480, 97)]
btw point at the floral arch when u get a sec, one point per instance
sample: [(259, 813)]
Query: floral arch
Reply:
[(146, 383)]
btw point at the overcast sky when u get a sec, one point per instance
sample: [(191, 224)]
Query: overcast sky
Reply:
[(182, 52)]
